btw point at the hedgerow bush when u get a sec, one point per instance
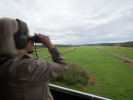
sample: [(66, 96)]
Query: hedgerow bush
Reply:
[(76, 76)]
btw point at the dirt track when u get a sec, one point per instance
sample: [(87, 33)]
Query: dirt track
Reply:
[(122, 57), (61, 53)]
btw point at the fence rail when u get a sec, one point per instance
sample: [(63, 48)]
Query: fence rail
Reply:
[(62, 93)]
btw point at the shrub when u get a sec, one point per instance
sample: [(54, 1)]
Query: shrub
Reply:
[(76, 76)]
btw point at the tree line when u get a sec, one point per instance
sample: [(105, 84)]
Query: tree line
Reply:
[(123, 44)]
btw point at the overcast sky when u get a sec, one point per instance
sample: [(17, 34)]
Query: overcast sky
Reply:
[(74, 21)]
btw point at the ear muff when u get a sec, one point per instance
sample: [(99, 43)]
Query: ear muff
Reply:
[(20, 37)]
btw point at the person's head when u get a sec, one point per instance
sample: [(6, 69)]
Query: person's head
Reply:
[(13, 37)]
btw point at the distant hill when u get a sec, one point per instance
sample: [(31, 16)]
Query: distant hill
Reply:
[(123, 44)]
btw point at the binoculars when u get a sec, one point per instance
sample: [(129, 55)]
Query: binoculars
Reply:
[(35, 39)]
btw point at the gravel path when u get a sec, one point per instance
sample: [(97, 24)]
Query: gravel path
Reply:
[(122, 57)]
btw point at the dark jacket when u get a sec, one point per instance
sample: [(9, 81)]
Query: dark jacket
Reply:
[(26, 77)]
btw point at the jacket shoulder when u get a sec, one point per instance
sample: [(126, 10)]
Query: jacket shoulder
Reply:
[(29, 56)]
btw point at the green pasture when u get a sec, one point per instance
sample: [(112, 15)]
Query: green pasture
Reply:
[(62, 49), (123, 51), (114, 80), (45, 52)]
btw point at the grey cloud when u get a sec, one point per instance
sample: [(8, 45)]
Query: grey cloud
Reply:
[(75, 21)]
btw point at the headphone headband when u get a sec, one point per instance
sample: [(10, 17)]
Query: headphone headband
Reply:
[(23, 28), (20, 37)]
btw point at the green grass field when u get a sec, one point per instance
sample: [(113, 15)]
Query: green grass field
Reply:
[(114, 80)]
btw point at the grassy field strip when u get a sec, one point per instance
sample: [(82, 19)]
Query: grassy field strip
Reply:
[(42, 49), (61, 49), (125, 58), (44, 52), (61, 53)]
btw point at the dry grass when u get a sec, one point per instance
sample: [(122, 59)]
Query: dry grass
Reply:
[(128, 63)]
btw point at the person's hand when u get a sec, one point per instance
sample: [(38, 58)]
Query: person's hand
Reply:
[(45, 40)]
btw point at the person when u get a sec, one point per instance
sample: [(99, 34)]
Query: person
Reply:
[(22, 75)]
